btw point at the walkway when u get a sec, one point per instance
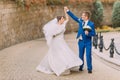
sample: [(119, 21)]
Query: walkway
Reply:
[(19, 62)]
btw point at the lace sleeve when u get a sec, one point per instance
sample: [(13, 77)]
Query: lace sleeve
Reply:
[(58, 31)]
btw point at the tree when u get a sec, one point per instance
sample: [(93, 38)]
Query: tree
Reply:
[(116, 14), (97, 13)]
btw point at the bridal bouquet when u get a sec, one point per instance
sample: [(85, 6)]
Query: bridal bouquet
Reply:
[(87, 28)]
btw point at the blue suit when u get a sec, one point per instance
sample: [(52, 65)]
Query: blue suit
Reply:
[(86, 40)]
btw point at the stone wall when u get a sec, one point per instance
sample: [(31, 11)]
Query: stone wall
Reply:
[(18, 24)]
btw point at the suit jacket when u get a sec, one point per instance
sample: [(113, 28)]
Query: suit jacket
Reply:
[(86, 38)]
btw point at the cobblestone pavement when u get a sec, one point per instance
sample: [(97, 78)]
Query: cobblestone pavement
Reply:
[(18, 62)]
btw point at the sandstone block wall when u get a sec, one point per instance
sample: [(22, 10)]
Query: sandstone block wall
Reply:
[(19, 25)]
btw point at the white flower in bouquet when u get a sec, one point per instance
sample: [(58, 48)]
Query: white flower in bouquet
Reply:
[(87, 28)]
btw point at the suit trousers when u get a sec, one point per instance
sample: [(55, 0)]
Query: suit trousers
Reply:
[(82, 47)]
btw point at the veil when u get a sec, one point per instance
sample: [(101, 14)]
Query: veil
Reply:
[(49, 29)]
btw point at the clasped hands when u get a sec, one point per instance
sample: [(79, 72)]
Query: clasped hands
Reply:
[(66, 8)]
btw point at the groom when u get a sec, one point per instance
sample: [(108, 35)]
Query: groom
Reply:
[(84, 37)]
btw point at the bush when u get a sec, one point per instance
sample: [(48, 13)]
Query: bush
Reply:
[(56, 2), (20, 2), (97, 13), (116, 14)]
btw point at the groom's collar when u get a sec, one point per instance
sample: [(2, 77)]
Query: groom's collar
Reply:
[(86, 21)]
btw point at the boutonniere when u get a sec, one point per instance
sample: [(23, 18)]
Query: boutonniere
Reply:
[(87, 28)]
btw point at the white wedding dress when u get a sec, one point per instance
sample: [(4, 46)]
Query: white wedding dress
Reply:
[(60, 59)]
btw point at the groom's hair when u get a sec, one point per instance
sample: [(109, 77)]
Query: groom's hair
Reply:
[(59, 17), (87, 14)]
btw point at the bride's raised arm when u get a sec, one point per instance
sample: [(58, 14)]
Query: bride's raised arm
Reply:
[(66, 15)]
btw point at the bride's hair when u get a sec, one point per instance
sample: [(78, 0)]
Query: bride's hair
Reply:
[(59, 17)]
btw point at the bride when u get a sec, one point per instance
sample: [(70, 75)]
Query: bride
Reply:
[(60, 59)]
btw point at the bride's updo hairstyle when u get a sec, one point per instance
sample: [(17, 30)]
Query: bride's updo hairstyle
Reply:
[(59, 18)]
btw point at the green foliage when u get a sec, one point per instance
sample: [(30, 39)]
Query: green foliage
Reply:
[(56, 2), (116, 14), (20, 2), (97, 13)]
